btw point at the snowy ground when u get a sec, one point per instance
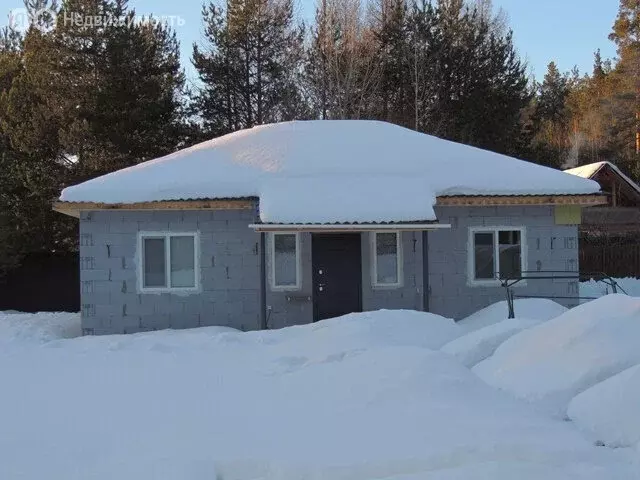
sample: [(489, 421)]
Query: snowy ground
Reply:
[(366, 396)]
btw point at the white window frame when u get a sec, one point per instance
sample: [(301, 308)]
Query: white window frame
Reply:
[(471, 259), (167, 262), (272, 253), (374, 261)]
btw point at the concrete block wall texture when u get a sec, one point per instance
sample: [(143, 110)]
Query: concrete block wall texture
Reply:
[(549, 247), (291, 307), (286, 308), (406, 297), (229, 273)]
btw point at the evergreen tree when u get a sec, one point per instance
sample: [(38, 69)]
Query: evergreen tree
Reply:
[(85, 98), (473, 84), (119, 85), (550, 143), (251, 66), (30, 178), (624, 104), (10, 60), (395, 88)]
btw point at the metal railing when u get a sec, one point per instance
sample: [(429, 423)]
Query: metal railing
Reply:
[(509, 282)]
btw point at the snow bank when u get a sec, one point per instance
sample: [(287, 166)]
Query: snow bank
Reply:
[(529, 308), (472, 348), (340, 400), (296, 155), (20, 328), (551, 363), (610, 411), (356, 331)]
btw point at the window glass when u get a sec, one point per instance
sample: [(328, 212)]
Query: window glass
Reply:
[(484, 256), (387, 258), (284, 261), (182, 255), (510, 251), (154, 263)]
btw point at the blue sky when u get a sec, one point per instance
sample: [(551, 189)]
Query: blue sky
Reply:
[(566, 31)]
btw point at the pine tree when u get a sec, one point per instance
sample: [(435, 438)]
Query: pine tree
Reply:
[(550, 143), (119, 85), (625, 103), (83, 99), (31, 176), (10, 65), (473, 84), (250, 67), (392, 34)]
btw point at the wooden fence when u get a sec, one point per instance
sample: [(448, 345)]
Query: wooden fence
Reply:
[(46, 282), (616, 260)]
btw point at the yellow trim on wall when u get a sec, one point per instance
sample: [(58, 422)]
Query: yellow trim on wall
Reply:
[(568, 214)]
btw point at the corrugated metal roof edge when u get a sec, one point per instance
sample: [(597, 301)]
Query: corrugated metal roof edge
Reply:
[(255, 199)]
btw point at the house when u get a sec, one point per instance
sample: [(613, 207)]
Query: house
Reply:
[(610, 233), (296, 222), (621, 213)]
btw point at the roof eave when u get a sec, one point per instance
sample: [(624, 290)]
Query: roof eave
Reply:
[(583, 200), (73, 209), (586, 200), (348, 227)]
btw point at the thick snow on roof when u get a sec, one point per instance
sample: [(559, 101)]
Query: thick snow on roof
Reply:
[(588, 171), (321, 171)]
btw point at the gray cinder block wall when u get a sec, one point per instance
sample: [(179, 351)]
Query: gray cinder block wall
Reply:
[(229, 273), (406, 297), (291, 307), (550, 247), (296, 307)]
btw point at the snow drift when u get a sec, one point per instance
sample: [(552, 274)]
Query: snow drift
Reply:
[(18, 329), (549, 364), (609, 412), (529, 308), (356, 398), (472, 348)]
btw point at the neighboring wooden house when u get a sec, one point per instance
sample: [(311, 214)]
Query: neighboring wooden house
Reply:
[(622, 212), (610, 234), (297, 222)]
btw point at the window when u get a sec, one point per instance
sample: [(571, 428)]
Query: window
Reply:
[(387, 259), (168, 261), (495, 253), (285, 261)]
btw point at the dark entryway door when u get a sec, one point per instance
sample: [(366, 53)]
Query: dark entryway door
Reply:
[(337, 275)]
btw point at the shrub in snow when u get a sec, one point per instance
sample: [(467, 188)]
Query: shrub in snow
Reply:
[(551, 363), (610, 411)]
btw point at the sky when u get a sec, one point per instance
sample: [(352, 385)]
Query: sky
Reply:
[(565, 31)]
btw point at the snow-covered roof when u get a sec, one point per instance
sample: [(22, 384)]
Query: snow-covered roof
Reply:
[(329, 171), (590, 170)]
